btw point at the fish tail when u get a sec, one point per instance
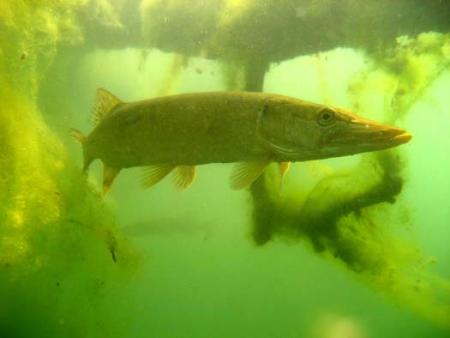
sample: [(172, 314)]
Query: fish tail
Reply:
[(80, 137)]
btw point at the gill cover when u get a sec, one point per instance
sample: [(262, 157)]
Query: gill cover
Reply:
[(290, 127), (272, 126)]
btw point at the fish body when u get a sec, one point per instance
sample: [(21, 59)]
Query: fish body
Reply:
[(187, 129), (254, 129)]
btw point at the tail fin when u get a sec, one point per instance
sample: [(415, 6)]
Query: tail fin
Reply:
[(80, 137)]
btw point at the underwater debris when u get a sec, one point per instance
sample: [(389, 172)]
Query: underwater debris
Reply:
[(223, 127)]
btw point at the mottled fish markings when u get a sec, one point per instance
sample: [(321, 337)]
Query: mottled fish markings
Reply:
[(177, 133)]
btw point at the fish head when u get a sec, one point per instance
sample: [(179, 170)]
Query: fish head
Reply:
[(302, 131), (345, 133)]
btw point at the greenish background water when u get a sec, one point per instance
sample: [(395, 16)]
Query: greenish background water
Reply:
[(203, 277), (187, 265)]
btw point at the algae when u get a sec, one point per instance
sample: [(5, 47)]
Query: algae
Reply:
[(274, 30), (343, 216), (57, 237), (62, 260)]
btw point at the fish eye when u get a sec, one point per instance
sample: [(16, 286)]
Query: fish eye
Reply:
[(326, 117)]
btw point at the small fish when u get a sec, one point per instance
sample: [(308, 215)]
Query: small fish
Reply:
[(177, 133)]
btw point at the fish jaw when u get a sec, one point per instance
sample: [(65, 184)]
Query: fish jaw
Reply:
[(360, 135)]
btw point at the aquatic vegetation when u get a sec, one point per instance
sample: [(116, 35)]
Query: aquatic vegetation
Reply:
[(64, 266), (233, 75), (251, 31), (62, 259), (172, 75), (343, 216), (415, 63)]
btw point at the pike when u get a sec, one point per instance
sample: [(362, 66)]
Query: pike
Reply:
[(177, 133)]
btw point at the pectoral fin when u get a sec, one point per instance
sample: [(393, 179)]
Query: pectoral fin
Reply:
[(284, 168), (184, 176), (246, 173), (109, 174), (155, 173)]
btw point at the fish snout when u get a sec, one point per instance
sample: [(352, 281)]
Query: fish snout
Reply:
[(386, 135), (363, 135)]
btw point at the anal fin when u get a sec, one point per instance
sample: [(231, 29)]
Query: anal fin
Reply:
[(109, 174), (155, 173), (246, 173), (184, 176)]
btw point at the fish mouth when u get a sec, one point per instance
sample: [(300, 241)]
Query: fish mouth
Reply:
[(402, 138), (382, 137), (364, 136), (387, 137)]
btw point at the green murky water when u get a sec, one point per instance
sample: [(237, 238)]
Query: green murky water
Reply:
[(353, 247)]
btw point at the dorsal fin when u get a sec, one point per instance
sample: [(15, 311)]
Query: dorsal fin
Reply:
[(105, 102)]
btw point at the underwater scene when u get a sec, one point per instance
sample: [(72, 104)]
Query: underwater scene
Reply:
[(224, 168)]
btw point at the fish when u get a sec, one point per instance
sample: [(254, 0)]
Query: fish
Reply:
[(177, 133)]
